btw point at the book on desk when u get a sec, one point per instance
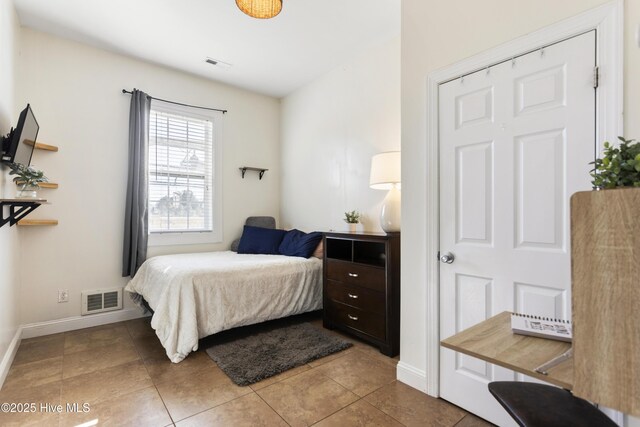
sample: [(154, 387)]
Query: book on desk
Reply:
[(541, 327)]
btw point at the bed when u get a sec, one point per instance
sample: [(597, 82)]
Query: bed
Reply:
[(197, 295)]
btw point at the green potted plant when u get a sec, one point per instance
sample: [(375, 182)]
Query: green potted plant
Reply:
[(618, 167), (617, 175), (28, 179), (352, 218)]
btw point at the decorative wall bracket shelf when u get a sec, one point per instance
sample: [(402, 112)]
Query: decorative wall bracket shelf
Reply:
[(260, 171), (18, 209)]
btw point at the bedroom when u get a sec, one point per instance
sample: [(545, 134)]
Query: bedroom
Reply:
[(75, 90)]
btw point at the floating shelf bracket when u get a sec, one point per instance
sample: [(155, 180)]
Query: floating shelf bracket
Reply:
[(18, 209), (260, 171)]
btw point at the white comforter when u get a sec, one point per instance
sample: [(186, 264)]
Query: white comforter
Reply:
[(196, 295)]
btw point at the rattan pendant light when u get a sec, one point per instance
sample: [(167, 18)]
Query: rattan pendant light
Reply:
[(261, 9)]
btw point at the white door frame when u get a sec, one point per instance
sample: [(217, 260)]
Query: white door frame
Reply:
[(607, 20)]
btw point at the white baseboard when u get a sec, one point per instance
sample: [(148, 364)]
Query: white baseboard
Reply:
[(39, 329), (412, 376), (10, 354)]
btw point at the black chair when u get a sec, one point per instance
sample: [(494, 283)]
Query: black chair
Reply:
[(539, 405)]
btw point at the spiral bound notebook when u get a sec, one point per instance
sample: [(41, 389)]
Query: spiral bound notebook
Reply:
[(542, 327)]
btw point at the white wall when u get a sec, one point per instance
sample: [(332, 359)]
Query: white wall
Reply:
[(9, 244), (330, 130), (75, 91), (435, 34)]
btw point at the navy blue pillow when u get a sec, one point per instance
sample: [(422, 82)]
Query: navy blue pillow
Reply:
[(258, 240), (299, 243)]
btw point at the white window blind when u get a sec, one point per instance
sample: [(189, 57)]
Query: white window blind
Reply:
[(181, 178)]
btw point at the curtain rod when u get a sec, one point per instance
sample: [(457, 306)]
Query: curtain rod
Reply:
[(179, 103)]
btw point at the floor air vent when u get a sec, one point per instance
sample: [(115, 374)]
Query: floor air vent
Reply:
[(100, 300)]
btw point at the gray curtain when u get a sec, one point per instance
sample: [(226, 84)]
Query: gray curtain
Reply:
[(136, 215)]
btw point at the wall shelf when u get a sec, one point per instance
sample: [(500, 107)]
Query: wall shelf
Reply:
[(14, 211), (46, 147), (37, 222), (17, 209), (51, 185), (260, 171), (41, 146)]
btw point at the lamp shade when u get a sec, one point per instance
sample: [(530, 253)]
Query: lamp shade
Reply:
[(261, 9), (385, 170)]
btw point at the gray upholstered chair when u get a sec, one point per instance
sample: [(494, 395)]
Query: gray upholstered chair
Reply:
[(255, 221)]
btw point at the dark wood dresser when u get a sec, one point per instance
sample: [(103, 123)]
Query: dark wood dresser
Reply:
[(361, 293)]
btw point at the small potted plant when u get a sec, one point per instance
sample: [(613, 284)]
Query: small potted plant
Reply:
[(28, 179), (617, 175), (352, 218), (619, 166)]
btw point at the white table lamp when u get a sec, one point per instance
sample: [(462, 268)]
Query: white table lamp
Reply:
[(385, 175)]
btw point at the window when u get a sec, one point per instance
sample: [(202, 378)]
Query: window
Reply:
[(184, 182)]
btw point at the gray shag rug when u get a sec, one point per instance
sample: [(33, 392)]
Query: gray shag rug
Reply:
[(265, 353)]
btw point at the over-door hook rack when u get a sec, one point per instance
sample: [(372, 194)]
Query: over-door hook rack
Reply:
[(260, 171)]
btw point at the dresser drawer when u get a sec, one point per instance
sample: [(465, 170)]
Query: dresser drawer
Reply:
[(356, 274), (363, 321), (356, 296)]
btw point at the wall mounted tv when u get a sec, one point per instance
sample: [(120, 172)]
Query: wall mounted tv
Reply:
[(18, 145)]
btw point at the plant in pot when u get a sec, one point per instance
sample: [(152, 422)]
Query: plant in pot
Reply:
[(617, 175), (352, 218), (618, 167), (28, 179)]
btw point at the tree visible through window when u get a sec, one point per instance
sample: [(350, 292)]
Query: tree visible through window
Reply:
[(181, 154)]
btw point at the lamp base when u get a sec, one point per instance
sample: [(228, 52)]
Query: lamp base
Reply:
[(390, 214)]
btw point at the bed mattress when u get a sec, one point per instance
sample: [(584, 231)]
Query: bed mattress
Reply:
[(196, 295)]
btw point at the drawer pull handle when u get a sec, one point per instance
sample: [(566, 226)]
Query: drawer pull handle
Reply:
[(352, 317), (353, 274), (353, 296)]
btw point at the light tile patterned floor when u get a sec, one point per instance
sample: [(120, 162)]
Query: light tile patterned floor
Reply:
[(121, 372)]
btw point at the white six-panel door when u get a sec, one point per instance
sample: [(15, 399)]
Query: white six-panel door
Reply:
[(515, 143)]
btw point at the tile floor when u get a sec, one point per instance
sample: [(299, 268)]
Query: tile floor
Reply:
[(121, 372)]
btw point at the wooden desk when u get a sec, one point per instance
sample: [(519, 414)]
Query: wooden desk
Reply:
[(494, 342), (605, 271)]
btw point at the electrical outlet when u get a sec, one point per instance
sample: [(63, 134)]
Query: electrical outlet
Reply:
[(63, 295)]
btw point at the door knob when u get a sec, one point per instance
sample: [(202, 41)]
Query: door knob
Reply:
[(447, 258)]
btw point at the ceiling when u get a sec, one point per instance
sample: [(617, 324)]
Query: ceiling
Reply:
[(273, 57)]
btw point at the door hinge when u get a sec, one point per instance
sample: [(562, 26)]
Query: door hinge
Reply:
[(596, 77)]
